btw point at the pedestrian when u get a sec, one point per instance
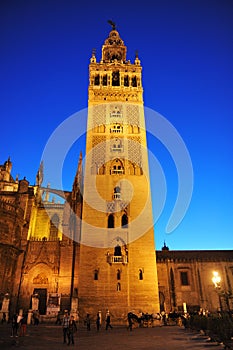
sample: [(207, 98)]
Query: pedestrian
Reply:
[(58, 320), (14, 326), (3, 317), (130, 322), (65, 327), (88, 322), (164, 318), (23, 325), (72, 330), (108, 321), (35, 316), (19, 317), (98, 321)]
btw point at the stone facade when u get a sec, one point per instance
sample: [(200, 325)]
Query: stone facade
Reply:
[(117, 259), (40, 261), (96, 252), (186, 277)]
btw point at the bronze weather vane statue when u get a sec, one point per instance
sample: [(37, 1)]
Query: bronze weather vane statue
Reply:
[(113, 24)]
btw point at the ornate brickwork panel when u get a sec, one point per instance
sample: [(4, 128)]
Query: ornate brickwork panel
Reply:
[(113, 206), (99, 150), (99, 115), (132, 115), (134, 151)]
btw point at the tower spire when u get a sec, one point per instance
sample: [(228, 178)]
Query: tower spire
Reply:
[(77, 184), (40, 174)]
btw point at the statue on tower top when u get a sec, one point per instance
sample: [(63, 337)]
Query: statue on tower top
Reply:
[(113, 24)]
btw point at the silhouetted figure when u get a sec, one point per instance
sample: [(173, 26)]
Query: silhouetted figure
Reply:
[(3, 317), (98, 322), (23, 325), (14, 326), (72, 330), (65, 327), (58, 320), (108, 321), (88, 322), (130, 322)]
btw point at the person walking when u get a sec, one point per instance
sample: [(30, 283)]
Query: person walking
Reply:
[(58, 320), (35, 317), (72, 330), (88, 322), (108, 321), (65, 327), (130, 322), (98, 321), (3, 317), (23, 325), (14, 326)]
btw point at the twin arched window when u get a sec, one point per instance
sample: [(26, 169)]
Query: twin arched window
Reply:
[(124, 221)]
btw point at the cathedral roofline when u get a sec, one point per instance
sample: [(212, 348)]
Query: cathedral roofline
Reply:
[(201, 255)]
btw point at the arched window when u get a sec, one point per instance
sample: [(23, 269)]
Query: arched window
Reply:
[(118, 274), (111, 221), (117, 193), (54, 222), (116, 128), (117, 251), (105, 79), (126, 80), (134, 81), (116, 145), (115, 78), (97, 80), (96, 275), (124, 221), (117, 189), (116, 167), (140, 275)]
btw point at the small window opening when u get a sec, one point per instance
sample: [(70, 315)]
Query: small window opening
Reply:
[(111, 221), (96, 275)]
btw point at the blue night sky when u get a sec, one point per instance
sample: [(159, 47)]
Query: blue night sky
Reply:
[(186, 51)]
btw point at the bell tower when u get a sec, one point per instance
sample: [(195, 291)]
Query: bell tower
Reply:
[(117, 267)]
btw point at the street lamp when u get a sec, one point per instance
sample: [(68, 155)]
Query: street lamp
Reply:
[(216, 279)]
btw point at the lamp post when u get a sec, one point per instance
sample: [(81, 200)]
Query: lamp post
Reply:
[(216, 279)]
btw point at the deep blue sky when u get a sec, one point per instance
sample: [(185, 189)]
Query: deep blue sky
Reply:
[(186, 52)]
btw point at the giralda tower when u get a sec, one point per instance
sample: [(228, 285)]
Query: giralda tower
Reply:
[(117, 266)]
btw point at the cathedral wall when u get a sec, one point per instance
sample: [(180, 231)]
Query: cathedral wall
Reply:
[(40, 270), (190, 281), (41, 221)]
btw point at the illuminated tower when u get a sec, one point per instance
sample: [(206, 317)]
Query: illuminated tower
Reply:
[(117, 254)]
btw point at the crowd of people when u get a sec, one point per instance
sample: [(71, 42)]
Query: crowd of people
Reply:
[(69, 327)]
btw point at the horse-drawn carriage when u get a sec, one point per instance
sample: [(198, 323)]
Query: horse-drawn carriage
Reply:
[(143, 320)]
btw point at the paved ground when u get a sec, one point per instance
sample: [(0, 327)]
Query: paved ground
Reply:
[(162, 338)]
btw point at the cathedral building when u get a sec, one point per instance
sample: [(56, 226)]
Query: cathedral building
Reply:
[(94, 251)]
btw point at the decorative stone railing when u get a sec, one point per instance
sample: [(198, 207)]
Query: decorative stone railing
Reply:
[(113, 259)]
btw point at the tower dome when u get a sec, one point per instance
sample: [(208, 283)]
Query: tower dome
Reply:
[(113, 48)]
